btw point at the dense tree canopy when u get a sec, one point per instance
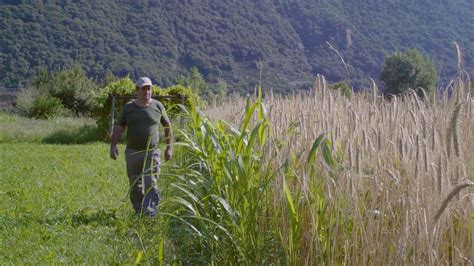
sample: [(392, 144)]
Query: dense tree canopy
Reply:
[(408, 70), (230, 41)]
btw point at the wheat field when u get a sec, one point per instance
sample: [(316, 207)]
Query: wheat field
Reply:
[(400, 187)]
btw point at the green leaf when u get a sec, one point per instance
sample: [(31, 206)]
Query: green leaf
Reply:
[(227, 207), (289, 201), (161, 251), (253, 137), (139, 257), (327, 154), (187, 204), (314, 148)]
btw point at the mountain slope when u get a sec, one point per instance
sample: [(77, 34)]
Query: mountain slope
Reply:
[(365, 31), (287, 41)]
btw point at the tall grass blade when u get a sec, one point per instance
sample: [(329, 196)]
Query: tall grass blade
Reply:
[(314, 148)]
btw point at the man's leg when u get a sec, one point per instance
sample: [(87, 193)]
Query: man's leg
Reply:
[(134, 161), (150, 178), (143, 177)]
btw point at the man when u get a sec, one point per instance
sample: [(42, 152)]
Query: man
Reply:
[(142, 118)]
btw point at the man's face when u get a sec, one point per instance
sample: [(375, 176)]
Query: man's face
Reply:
[(144, 93)]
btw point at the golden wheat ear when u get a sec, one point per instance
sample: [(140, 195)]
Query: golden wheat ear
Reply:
[(450, 196)]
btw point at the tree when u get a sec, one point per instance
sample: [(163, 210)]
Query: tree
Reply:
[(69, 89), (73, 88), (408, 70), (196, 82)]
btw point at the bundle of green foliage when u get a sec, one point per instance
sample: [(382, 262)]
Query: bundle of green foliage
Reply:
[(57, 93), (184, 96), (409, 70), (102, 111)]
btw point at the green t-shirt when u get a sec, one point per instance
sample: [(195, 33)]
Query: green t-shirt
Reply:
[(143, 123)]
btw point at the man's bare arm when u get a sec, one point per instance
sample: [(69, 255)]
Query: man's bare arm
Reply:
[(169, 141), (116, 133)]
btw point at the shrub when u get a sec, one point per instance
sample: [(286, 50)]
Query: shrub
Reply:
[(101, 111), (195, 81), (408, 70), (342, 87), (73, 88), (70, 87), (191, 99), (24, 101), (33, 103), (46, 107)]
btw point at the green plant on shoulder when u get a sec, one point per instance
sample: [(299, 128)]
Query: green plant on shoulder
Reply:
[(189, 99), (102, 103)]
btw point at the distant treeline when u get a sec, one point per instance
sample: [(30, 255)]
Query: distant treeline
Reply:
[(280, 44)]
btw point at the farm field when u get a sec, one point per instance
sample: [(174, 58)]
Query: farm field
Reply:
[(66, 203), (313, 178), (67, 130)]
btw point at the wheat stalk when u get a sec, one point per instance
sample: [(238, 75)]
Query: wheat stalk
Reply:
[(374, 90), (454, 122), (458, 56), (451, 195), (379, 144), (451, 132)]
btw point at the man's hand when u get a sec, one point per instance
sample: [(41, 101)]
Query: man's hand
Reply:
[(113, 152), (117, 131), (168, 153), (169, 140)]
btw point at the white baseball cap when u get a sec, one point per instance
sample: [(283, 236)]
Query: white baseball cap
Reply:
[(143, 81)]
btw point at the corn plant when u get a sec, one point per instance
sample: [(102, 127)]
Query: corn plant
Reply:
[(222, 187)]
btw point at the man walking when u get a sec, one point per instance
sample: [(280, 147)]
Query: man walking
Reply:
[(142, 118)]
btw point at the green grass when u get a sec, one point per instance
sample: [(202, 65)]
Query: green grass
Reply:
[(231, 195), (68, 203), (65, 130), (222, 202)]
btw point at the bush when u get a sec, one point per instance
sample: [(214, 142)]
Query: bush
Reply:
[(101, 111), (73, 88), (102, 105), (70, 87), (46, 107), (408, 70), (24, 101), (343, 88), (35, 104), (191, 99)]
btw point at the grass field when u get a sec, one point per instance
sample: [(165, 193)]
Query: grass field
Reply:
[(64, 130), (67, 203), (314, 178)]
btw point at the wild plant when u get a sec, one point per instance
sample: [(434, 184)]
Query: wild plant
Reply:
[(395, 193)]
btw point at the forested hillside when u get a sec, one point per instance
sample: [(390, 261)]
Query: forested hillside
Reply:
[(232, 41)]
